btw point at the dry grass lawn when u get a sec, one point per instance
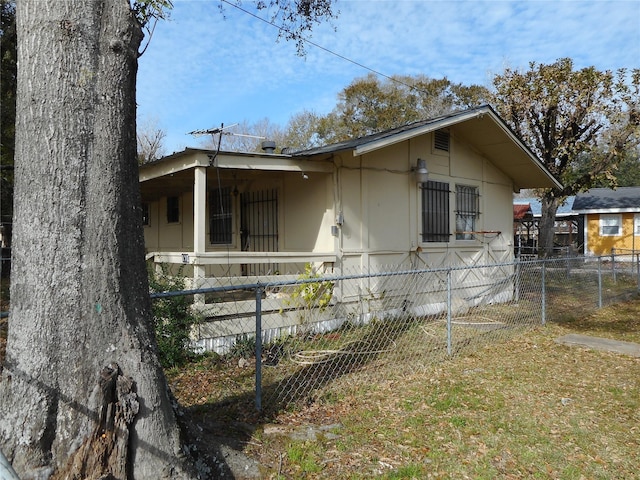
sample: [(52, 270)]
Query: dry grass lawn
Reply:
[(525, 408)]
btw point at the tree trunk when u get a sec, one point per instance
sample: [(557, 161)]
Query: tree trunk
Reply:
[(79, 291), (546, 228)]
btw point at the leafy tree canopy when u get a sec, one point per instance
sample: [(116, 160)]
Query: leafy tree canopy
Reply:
[(582, 123), (579, 122), (371, 104)]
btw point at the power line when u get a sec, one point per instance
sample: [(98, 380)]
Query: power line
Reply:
[(331, 52)]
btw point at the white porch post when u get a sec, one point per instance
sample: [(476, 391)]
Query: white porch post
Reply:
[(199, 222)]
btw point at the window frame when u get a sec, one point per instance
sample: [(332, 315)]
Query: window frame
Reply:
[(602, 224), (636, 224)]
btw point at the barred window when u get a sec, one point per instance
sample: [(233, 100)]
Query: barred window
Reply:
[(220, 217), (435, 212), (467, 211)]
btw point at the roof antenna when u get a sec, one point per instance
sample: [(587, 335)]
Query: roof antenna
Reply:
[(221, 130), (212, 131)]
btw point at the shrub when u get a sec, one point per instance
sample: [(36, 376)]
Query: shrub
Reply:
[(172, 318)]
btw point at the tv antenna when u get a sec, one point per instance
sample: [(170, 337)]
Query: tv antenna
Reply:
[(221, 130)]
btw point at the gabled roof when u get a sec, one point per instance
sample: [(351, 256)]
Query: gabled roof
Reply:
[(607, 200), (481, 127), (564, 209)]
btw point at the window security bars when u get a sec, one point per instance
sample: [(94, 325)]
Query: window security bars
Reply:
[(259, 231), (467, 211), (435, 212), (221, 217)]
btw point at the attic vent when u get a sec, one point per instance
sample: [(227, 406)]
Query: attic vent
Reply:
[(441, 140)]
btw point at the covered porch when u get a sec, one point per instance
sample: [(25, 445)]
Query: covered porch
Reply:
[(224, 219)]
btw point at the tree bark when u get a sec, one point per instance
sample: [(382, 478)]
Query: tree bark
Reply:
[(546, 227), (79, 291)]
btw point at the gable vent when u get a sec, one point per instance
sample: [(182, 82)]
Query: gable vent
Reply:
[(441, 140)]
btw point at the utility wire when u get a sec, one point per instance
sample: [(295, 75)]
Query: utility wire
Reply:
[(331, 52)]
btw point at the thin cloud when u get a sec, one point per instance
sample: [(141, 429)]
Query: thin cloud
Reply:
[(202, 69)]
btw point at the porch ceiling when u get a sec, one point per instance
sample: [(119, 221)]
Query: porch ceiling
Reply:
[(167, 186)]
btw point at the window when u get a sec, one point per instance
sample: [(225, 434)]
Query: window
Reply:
[(610, 225), (173, 210), (220, 217), (435, 212), (467, 211), (636, 224), (145, 214)]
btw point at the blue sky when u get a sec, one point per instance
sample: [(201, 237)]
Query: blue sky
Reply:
[(202, 69)]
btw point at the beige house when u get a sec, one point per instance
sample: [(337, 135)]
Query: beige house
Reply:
[(427, 195)]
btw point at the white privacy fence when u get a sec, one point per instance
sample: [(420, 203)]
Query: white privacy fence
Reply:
[(301, 334)]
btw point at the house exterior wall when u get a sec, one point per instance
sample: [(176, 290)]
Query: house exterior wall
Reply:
[(382, 206), (307, 213), (598, 244)]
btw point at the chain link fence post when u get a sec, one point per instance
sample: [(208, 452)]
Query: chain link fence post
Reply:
[(544, 292), (516, 295), (449, 347), (259, 348), (599, 282)]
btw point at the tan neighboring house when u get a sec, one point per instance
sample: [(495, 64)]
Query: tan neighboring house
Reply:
[(430, 194)]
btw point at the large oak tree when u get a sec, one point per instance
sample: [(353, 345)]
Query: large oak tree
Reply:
[(82, 393), (582, 123), (371, 104)]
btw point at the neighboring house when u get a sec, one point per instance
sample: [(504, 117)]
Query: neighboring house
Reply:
[(611, 219), (232, 218), (527, 212)]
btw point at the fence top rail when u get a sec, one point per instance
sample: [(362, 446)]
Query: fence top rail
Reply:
[(330, 278), (336, 278)]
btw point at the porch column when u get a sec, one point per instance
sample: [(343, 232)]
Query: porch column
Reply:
[(199, 222)]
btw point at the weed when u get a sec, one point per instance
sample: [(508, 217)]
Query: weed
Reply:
[(244, 347), (172, 318), (311, 295)]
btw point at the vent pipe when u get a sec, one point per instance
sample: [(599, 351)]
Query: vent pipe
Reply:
[(268, 146)]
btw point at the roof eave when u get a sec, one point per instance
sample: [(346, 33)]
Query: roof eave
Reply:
[(477, 113)]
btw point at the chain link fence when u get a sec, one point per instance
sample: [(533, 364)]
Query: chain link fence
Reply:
[(307, 332)]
